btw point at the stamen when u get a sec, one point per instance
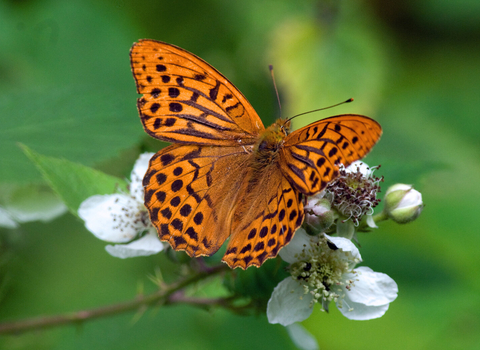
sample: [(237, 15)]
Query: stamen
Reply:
[(319, 269), (353, 194)]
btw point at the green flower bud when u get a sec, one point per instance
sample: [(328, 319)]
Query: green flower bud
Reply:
[(403, 203)]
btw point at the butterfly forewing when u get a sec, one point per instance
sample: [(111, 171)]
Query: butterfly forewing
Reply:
[(185, 100), (312, 155)]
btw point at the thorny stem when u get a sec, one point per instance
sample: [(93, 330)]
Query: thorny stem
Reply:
[(141, 302)]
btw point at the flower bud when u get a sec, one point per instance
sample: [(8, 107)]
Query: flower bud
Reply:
[(403, 203), (318, 215)]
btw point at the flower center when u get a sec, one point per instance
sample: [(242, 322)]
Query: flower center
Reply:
[(354, 194), (320, 268), (132, 215)]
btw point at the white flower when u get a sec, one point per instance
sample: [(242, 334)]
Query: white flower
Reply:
[(403, 203), (121, 218), (323, 270)]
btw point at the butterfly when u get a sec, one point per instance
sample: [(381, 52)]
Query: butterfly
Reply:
[(226, 175)]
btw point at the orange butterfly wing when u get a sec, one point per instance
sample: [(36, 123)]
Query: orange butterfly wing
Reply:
[(270, 210), (266, 217), (312, 155), (185, 100), (189, 193)]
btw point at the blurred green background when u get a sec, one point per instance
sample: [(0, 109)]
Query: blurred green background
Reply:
[(66, 91)]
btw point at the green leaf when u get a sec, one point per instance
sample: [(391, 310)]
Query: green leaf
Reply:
[(66, 88), (74, 182)]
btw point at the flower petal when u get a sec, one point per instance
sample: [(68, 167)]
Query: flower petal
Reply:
[(147, 245), (112, 218), (371, 288), (361, 312), (346, 245), (136, 177), (302, 338), (358, 164), (370, 221), (312, 201), (288, 304), (296, 245)]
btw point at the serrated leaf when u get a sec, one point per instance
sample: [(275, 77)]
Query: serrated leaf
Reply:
[(74, 182)]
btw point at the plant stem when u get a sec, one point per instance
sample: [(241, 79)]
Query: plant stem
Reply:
[(140, 302), (228, 303), (382, 216)]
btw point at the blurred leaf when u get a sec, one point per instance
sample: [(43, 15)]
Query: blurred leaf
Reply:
[(53, 124), (74, 182), (410, 172), (327, 61), (64, 94), (447, 15)]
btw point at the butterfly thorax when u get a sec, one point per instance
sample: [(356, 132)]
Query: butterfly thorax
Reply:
[(267, 148)]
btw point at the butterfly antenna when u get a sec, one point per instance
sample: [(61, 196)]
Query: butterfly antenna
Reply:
[(321, 109), (275, 86)]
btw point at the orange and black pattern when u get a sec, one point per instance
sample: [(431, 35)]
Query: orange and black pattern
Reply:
[(226, 176)]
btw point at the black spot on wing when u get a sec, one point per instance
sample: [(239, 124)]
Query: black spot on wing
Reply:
[(214, 91)]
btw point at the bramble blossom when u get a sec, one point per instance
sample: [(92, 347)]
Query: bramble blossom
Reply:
[(323, 270), (354, 192), (122, 218)]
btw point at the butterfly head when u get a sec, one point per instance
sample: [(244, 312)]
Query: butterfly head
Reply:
[(284, 125)]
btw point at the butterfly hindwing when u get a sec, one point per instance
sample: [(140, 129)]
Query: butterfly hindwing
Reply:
[(312, 155), (185, 100), (265, 221), (189, 191)]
